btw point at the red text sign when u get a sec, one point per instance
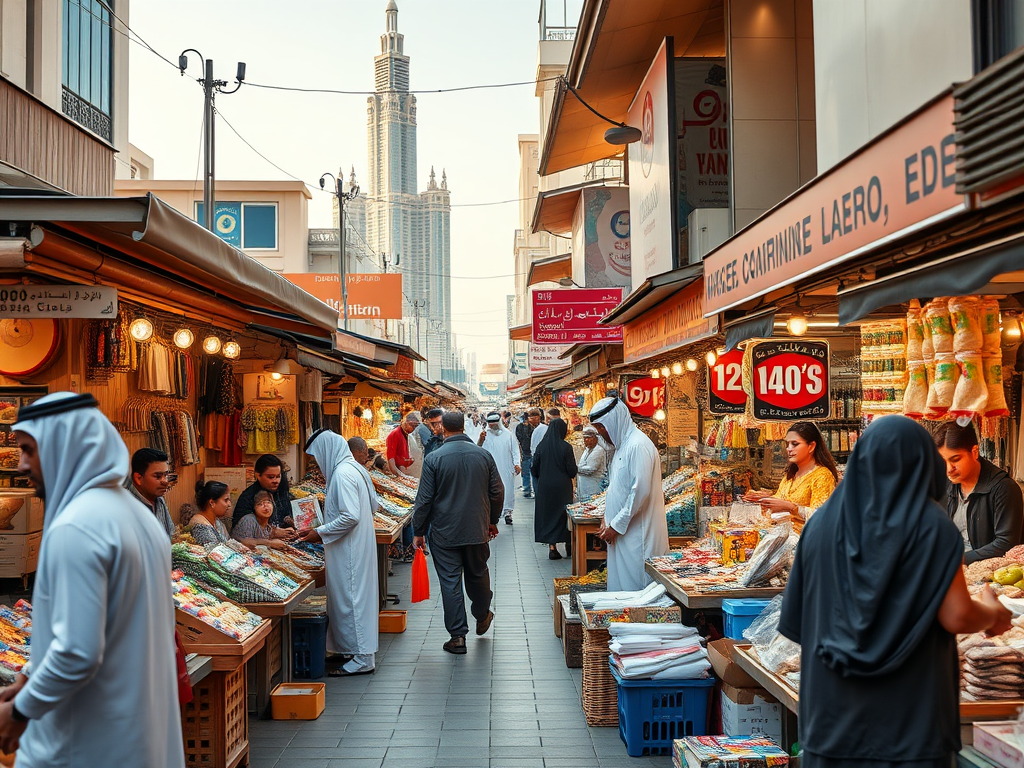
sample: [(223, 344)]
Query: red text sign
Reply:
[(645, 397), (725, 384), (572, 316), (790, 380)]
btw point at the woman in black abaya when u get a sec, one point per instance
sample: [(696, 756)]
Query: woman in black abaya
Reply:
[(875, 598), (553, 469)]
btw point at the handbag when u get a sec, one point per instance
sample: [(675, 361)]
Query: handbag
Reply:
[(420, 577)]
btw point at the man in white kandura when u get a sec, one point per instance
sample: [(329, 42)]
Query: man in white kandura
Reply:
[(504, 449), (102, 685), (350, 549), (634, 510)]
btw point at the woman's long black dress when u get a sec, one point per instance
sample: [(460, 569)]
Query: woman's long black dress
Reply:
[(553, 469)]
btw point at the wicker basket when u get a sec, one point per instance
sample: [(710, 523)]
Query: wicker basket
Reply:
[(600, 693), (572, 641)]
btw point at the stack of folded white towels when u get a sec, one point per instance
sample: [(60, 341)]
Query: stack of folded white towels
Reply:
[(652, 597), (658, 651)]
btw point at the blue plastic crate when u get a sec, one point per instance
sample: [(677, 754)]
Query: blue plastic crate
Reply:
[(740, 614), (309, 647), (654, 713)]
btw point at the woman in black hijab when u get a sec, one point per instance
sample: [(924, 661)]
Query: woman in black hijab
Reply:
[(553, 469), (875, 598)]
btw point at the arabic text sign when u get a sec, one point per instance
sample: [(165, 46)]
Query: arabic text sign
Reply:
[(82, 301), (572, 316)]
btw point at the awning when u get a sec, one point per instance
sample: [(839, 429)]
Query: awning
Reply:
[(521, 332), (615, 43), (402, 349), (312, 359), (555, 208), (147, 230), (652, 292), (958, 274), (757, 326), (550, 270)]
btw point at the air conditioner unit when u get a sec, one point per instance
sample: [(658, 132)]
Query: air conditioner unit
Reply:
[(708, 228)]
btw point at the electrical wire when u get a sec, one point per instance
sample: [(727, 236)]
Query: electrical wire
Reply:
[(297, 89)]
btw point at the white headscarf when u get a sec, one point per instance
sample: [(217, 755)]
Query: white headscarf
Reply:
[(78, 450), (330, 449), (617, 421)]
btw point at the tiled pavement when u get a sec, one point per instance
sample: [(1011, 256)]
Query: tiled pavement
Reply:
[(509, 703)]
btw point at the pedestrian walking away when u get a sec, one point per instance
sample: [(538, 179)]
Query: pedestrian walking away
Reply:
[(460, 501), (350, 549), (504, 449), (524, 436), (554, 469), (102, 687)]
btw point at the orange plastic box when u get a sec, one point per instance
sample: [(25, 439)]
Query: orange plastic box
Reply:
[(297, 701)]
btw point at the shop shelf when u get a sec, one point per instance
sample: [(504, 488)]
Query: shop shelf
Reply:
[(654, 713), (309, 647)]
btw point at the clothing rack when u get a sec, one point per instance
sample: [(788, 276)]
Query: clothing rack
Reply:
[(269, 428), (170, 426)]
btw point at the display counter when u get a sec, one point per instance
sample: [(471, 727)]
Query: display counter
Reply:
[(385, 538), (588, 551), (706, 600)]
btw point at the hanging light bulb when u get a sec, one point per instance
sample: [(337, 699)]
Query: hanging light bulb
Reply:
[(276, 376), (655, 373), (232, 350), (711, 357), (1011, 327), (665, 372), (691, 364), (677, 369), (141, 329), (368, 414), (183, 338), (659, 415), (211, 345), (797, 325)]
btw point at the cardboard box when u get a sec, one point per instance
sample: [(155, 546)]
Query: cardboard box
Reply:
[(751, 712), (998, 741), (21, 511), (297, 701), (19, 554), (727, 670)]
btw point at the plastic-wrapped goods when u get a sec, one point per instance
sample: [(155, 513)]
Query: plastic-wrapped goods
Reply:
[(988, 309), (915, 332), (927, 347), (971, 394), (915, 398), (943, 386), (936, 314), (966, 319), (993, 365)]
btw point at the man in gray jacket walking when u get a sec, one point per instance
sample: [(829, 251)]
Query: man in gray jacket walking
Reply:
[(459, 500)]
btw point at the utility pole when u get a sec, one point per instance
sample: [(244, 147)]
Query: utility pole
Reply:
[(416, 306), (210, 88), (343, 197)]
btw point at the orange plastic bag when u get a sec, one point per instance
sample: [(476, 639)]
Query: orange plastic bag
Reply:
[(420, 577)]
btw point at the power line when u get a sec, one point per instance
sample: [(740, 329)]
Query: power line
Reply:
[(298, 89)]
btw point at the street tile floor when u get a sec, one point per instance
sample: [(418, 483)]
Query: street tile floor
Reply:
[(509, 703)]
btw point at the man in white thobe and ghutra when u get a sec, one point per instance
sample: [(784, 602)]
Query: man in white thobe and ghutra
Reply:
[(350, 550), (102, 686), (504, 449), (634, 522)]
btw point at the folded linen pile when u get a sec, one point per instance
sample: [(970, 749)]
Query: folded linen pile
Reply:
[(653, 596), (658, 651)]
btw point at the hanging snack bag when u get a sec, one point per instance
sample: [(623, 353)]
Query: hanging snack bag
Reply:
[(943, 386), (971, 395), (989, 313), (965, 317), (936, 314), (993, 365), (915, 332), (915, 398)]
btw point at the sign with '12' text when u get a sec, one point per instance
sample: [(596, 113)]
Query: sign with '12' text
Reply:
[(790, 380), (725, 384)]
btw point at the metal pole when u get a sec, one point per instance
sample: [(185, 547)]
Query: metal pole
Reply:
[(341, 254), (208, 181)]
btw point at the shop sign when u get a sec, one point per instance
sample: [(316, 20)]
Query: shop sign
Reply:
[(644, 397), (652, 174), (545, 357), (573, 316), (902, 182), (97, 302), (569, 399), (725, 384), (790, 380), (674, 322), (373, 296), (345, 342), (600, 231), (681, 410), (702, 120)]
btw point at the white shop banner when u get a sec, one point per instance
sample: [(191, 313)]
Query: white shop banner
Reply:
[(544, 357)]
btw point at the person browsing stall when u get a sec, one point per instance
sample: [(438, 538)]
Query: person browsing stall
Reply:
[(811, 475), (150, 480), (593, 465), (270, 477), (213, 501), (429, 431), (985, 503), (257, 530), (399, 458)]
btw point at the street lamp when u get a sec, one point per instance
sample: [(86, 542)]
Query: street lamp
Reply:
[(343, 197), (210, 88)]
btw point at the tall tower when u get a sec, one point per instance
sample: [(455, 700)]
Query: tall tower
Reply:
[(400, 221)]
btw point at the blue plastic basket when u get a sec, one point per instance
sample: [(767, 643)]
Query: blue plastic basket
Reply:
[(654, 713), (309, 647), (740, 614)]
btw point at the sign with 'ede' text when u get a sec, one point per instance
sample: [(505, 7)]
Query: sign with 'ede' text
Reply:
[(370, 296)]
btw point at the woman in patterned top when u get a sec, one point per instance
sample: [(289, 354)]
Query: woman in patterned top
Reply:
[(255, 529), (214, 502), (811, 475)]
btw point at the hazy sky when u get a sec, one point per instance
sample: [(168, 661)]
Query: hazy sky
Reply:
[(331, 44)]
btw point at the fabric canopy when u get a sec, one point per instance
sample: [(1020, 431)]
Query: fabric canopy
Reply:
[(757, 327)]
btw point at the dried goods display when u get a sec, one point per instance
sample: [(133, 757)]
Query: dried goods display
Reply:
[(15, 639), (239, 576), (883, 353), (399, 488), (194, 599)]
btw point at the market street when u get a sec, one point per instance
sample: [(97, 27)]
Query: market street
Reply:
[(509, 703)]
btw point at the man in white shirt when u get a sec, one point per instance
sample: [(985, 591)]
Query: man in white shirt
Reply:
[(504, 449)]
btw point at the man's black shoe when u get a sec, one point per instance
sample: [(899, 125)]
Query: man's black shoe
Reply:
[(456, 645), (485, 623)]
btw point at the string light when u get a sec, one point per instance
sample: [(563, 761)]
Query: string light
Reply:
[(797, 325), (183, 338), (691, 364), (677, 369), (665, 372), (659, 415), (211, 345), (141, 329), (655, 373), (232, 350), (711, 358)]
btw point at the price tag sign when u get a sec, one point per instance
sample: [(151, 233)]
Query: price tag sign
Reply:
[(791, 380), (645, 397), (725, 384)]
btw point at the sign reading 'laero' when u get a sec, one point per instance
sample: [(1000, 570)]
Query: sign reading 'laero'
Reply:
[(676, 321), (901, 182)]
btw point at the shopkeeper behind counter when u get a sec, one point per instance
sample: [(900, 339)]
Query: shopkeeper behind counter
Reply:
[(811, 475), (985, 503), (270, 477)]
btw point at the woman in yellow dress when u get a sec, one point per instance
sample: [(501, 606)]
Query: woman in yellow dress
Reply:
[(811, 475)]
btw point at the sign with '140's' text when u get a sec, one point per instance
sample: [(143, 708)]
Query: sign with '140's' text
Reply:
[(790, 380)]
